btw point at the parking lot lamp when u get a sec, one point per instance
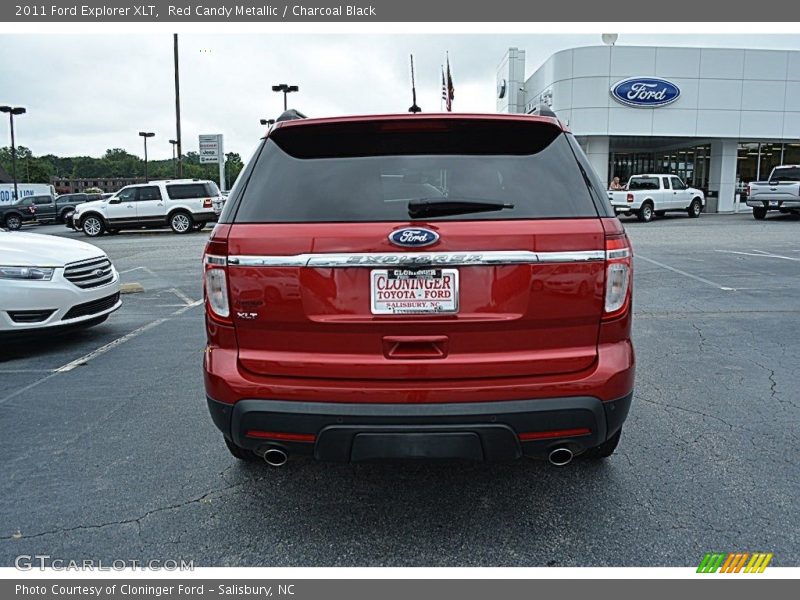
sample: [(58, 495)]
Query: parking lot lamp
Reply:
[(174, 143), (145, 135), (12, 111), (286, 89)]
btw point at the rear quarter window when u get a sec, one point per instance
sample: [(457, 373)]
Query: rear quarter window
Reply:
[(368, 171), (185, 191)]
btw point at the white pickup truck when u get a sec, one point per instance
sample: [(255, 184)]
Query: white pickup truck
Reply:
[(781, 192), (649, 195)]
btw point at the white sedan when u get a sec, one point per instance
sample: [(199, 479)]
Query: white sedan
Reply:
[(49, 283)]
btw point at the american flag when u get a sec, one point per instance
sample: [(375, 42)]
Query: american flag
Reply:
[(448, 91)]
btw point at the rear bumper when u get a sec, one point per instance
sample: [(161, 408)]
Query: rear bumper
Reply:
[(477, 430), (773, 204)]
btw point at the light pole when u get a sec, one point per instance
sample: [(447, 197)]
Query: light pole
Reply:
[(145, 135), (174, 143), (13, 110), (286, 89), (177, 102)]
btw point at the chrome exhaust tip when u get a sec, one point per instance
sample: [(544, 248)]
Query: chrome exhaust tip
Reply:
[(275, 457), (560, 457)]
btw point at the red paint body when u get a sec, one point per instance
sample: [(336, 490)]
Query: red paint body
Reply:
[(522, 331)]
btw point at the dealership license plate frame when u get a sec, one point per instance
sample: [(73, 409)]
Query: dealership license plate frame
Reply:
[(434, 307)]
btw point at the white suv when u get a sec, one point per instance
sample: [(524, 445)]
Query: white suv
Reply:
[(183, 204)]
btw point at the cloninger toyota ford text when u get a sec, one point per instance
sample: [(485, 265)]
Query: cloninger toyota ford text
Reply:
[(419, 286)]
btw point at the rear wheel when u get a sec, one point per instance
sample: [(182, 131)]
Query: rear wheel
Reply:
[(239, 452), (93, 226), (695, 208), (13, 222), (645, 213), (605, 449), (760, 213), (181, 222)]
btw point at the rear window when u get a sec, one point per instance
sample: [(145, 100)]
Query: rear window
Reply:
[(643, 183), (369, 171), (787, 174), (184, 191)]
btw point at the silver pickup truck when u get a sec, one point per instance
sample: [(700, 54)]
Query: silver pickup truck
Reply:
[(781, 192)]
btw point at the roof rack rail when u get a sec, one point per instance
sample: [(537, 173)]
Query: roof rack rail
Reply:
[(290, 115), (543, 110)]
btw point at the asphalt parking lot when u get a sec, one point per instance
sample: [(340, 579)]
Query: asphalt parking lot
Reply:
[(109, 452)]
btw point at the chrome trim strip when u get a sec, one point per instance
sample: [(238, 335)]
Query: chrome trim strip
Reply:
[(384, 259), (216, 260)]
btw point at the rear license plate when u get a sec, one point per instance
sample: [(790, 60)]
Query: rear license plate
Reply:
[(773, 203), (413, 291)]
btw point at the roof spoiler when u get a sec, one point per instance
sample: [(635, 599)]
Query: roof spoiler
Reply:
[(290, 115), (543, 110)]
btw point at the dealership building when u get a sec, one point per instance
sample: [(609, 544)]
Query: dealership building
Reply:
[(718, 118)]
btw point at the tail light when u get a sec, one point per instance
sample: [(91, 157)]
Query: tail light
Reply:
[(215, 281), (619, 276), (629, 198), (747, 190), (207, 203)]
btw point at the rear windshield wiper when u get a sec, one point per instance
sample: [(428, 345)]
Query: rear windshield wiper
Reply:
[(420, 208)]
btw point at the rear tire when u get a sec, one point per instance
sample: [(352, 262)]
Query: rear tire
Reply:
[(93, 226), (695, 208), (759, 213), (605, 449), (645, 213), (13, 222), (240, 453), (181, 222)]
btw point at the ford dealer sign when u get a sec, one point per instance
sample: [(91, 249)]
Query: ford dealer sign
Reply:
[(645, 92)]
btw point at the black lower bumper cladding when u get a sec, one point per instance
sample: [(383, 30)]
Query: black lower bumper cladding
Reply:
[(491, 431)]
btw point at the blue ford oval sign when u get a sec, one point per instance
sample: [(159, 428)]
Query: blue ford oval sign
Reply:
[(645, 92), (413, 238)]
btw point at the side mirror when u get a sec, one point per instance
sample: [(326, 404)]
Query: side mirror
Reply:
[(114, 200)]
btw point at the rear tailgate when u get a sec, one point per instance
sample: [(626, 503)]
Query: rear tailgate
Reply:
[(512, 319), (309, 248)]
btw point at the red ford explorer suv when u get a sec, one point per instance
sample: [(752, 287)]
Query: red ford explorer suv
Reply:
[(414, 286)]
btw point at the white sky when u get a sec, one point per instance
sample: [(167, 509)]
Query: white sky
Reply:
[(87, 93)]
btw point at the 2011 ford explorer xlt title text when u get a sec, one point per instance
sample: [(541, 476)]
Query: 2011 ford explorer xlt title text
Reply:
[(413, 286)]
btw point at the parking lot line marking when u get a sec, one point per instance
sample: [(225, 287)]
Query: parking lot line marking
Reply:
[(101, 350), (181, 295), (771, 255), (685, 274), (145, 269), (759, 253)]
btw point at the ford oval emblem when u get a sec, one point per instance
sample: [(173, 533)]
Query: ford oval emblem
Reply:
[(413, 238), (645, 92)]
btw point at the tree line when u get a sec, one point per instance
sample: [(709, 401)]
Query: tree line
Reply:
[(116, 162)]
